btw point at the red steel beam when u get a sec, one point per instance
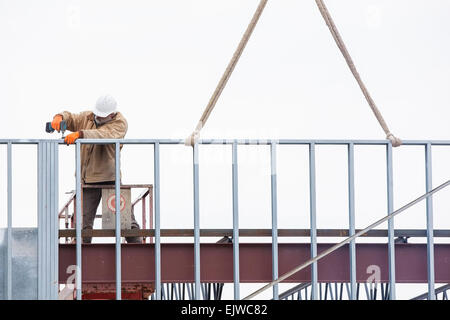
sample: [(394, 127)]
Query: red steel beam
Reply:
[(177, 262)]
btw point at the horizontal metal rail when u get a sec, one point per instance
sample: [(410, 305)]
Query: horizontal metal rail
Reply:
[(335, 233), (342, 243), (231, 141)]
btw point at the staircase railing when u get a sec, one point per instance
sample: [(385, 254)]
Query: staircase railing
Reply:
[(347, 240)]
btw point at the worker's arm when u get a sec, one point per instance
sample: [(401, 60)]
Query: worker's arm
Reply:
[(111, 130), (74, 121)]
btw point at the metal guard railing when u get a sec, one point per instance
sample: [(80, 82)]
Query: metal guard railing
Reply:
[(47, 180)]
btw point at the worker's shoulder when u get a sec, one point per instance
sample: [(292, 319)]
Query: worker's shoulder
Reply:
[(120, 117), (87, 114)]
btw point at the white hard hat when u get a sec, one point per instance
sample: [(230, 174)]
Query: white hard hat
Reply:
[(105, 106)]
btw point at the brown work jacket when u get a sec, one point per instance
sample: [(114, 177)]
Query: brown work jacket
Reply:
[(97, 160)]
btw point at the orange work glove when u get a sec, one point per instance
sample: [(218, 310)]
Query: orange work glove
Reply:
[(56, 123), (70, 138)]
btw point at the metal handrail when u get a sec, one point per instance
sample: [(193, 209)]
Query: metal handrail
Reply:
[(63, 209), (349, 239), (140, 197), (64, 212), (437, 291)]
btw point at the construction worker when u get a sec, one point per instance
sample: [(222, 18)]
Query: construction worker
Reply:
[(97, 161)]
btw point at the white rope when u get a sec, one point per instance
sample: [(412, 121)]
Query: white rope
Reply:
[(340, 43), (190, 141)]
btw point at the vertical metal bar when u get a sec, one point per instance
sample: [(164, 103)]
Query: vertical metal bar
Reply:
[(144, 222), (374, 291), (357, 291), (66, 218), (39, 203), (73, 220), (51, 209), (351, 213), (386, 293), (312, 197), (209, 291), (52, 217), (273, 175), (51, 223), (118, 227), (391, 228), (189, 291), (41, 231), (320, 291), (78, 217), (196, 224), (9, 252), (330, 286), (55, 220), (163, 295), (203, 291), (150, 214), (46, 218), (176, 286), (236, 278), (157, 224), (348, 290), (42, 221), (430, 239), (336, 290), (367, 291)]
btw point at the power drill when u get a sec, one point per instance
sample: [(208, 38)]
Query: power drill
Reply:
[(63, 127)]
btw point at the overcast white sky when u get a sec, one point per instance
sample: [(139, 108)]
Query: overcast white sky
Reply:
[(161, 60)]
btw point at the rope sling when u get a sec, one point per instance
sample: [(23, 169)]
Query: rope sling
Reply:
[(191, 140), (340, 43)]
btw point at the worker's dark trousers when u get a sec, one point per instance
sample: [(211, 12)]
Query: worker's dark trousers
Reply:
[(91, 200)]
